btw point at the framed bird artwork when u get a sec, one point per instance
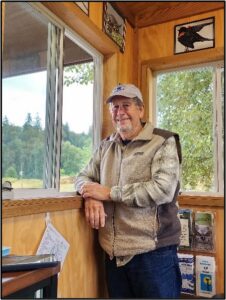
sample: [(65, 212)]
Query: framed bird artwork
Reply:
[(194, 36)]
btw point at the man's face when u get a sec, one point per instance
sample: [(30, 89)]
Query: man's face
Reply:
[(126, 116)]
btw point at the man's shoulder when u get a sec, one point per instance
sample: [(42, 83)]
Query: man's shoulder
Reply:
[(164, 133), (111, 138), (167, 134)]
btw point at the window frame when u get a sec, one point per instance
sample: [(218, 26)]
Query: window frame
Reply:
[(217, 120), (52, 178)]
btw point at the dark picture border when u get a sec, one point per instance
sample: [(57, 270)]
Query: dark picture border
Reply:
[(179, 48), (117, 36)]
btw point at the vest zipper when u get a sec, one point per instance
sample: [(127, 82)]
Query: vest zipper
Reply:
[(113, 217)]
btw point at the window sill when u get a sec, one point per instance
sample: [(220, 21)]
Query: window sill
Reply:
[(23, 207), (201, 200), (20, 194)]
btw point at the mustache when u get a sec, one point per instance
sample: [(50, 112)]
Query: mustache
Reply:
[(122, 119)]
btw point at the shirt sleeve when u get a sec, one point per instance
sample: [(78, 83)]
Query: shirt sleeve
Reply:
[(160, 189)]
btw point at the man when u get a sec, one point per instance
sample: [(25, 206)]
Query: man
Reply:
[(130, 188)]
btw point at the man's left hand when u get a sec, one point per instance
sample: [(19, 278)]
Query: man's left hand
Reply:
[(95, 190)]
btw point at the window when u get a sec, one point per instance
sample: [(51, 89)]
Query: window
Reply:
[(190, 102), (51, 99), (24, 73), (77, 131)]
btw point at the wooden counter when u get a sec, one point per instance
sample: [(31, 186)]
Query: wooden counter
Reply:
[(19, 284)]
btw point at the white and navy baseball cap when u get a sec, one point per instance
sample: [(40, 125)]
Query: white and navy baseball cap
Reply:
[(125, 90)]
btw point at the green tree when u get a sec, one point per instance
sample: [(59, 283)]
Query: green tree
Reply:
[(37, 122), (23, 147), (80, 73), (72, 159), (11, 172), (184, 101)]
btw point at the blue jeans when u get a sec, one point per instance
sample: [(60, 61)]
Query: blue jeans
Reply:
[(154, 274)]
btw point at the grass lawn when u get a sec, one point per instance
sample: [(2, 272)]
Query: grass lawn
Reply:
[(66, 183)]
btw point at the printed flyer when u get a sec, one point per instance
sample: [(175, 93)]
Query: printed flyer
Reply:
[(205, 276), (186, 263), (53, 243), (204, 231), (185, 216)]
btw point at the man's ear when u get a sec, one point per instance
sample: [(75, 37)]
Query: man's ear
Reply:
[(141, 108)]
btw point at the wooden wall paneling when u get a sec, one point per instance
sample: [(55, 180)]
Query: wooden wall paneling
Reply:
[(136, 63), (220, 262), (219, 28), (110, 81), (157, 41), (150, 90), (144, 90), (15, 208), (17, 233), (82, 275), (96, 13), (182, 60), (126, 64), (80, 271), (75, 18)]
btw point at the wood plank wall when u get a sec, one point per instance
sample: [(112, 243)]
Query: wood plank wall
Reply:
[(82, 275), (156, 48)]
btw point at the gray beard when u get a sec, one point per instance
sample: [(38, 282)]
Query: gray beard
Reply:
[(124, 129)]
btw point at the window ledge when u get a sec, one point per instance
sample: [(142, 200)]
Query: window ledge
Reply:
[(15, 208), (23, 207), (204, 200), (21, 194)]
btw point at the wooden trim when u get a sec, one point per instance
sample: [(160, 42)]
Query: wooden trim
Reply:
[(75, 18), (15, 208), (201, 200), (186, 59)]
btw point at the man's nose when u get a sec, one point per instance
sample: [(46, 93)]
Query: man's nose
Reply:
[(121, 109)]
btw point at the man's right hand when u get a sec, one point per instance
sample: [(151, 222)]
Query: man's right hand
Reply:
[(94, 212)]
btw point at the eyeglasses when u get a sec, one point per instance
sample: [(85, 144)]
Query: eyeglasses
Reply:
[(124, 106)]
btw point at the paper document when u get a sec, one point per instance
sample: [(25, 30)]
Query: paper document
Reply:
[(53, 243)]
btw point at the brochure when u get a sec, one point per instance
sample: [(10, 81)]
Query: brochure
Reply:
[(185, 216), (205, 276), (204, 231), (186, 263)]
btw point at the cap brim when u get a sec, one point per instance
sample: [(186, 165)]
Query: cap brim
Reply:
[(109, 100)]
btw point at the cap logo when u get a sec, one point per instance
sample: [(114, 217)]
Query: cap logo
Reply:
[(119, 88)]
